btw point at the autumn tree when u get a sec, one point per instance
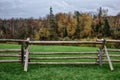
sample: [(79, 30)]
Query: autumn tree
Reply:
[(60, 19), (86, 22), (70, 25)]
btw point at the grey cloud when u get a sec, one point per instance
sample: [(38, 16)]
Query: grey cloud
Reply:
[(112, 5), (36, 8), (10, 9)]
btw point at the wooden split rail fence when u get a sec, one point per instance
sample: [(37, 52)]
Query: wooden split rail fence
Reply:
[(26, 57), (17, 53)]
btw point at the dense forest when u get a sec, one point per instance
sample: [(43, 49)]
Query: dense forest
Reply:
[(63, 26)]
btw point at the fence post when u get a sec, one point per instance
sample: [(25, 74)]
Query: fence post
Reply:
[(101, 52), (22, 52), (26, 55)]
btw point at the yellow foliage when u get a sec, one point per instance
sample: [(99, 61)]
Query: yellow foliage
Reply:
[(43, 32), (71, 25), (86, 22)]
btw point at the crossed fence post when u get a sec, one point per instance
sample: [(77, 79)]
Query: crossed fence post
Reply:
[(101, 52), (104, 48)]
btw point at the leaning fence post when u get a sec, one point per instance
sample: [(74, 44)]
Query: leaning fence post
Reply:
[(26, 55), (108, 57)]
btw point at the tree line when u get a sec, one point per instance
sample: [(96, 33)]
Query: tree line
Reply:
[(63, 26)]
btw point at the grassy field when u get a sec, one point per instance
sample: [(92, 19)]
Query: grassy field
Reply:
[(14, 71)]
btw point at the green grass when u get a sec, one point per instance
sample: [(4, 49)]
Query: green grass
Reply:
[(14, 71)]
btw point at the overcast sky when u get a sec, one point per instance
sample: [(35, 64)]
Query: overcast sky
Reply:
[(40, 8)]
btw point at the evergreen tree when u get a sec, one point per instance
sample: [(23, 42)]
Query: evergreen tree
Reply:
[(102, 28), (52, 20), (52, 26), (106, 28), (65, 32), (77, 15), (100, 21), (99, 25), (100, 12)]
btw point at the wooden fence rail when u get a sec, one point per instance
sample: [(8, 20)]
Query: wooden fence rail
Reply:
[(113, 41), (10, 55), (62, 58), (63, 42), (38, 53), (12, 40), (10, 50), (7, 61), (75, 63)]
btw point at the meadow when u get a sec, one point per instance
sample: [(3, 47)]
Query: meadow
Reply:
[(14, 71)]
